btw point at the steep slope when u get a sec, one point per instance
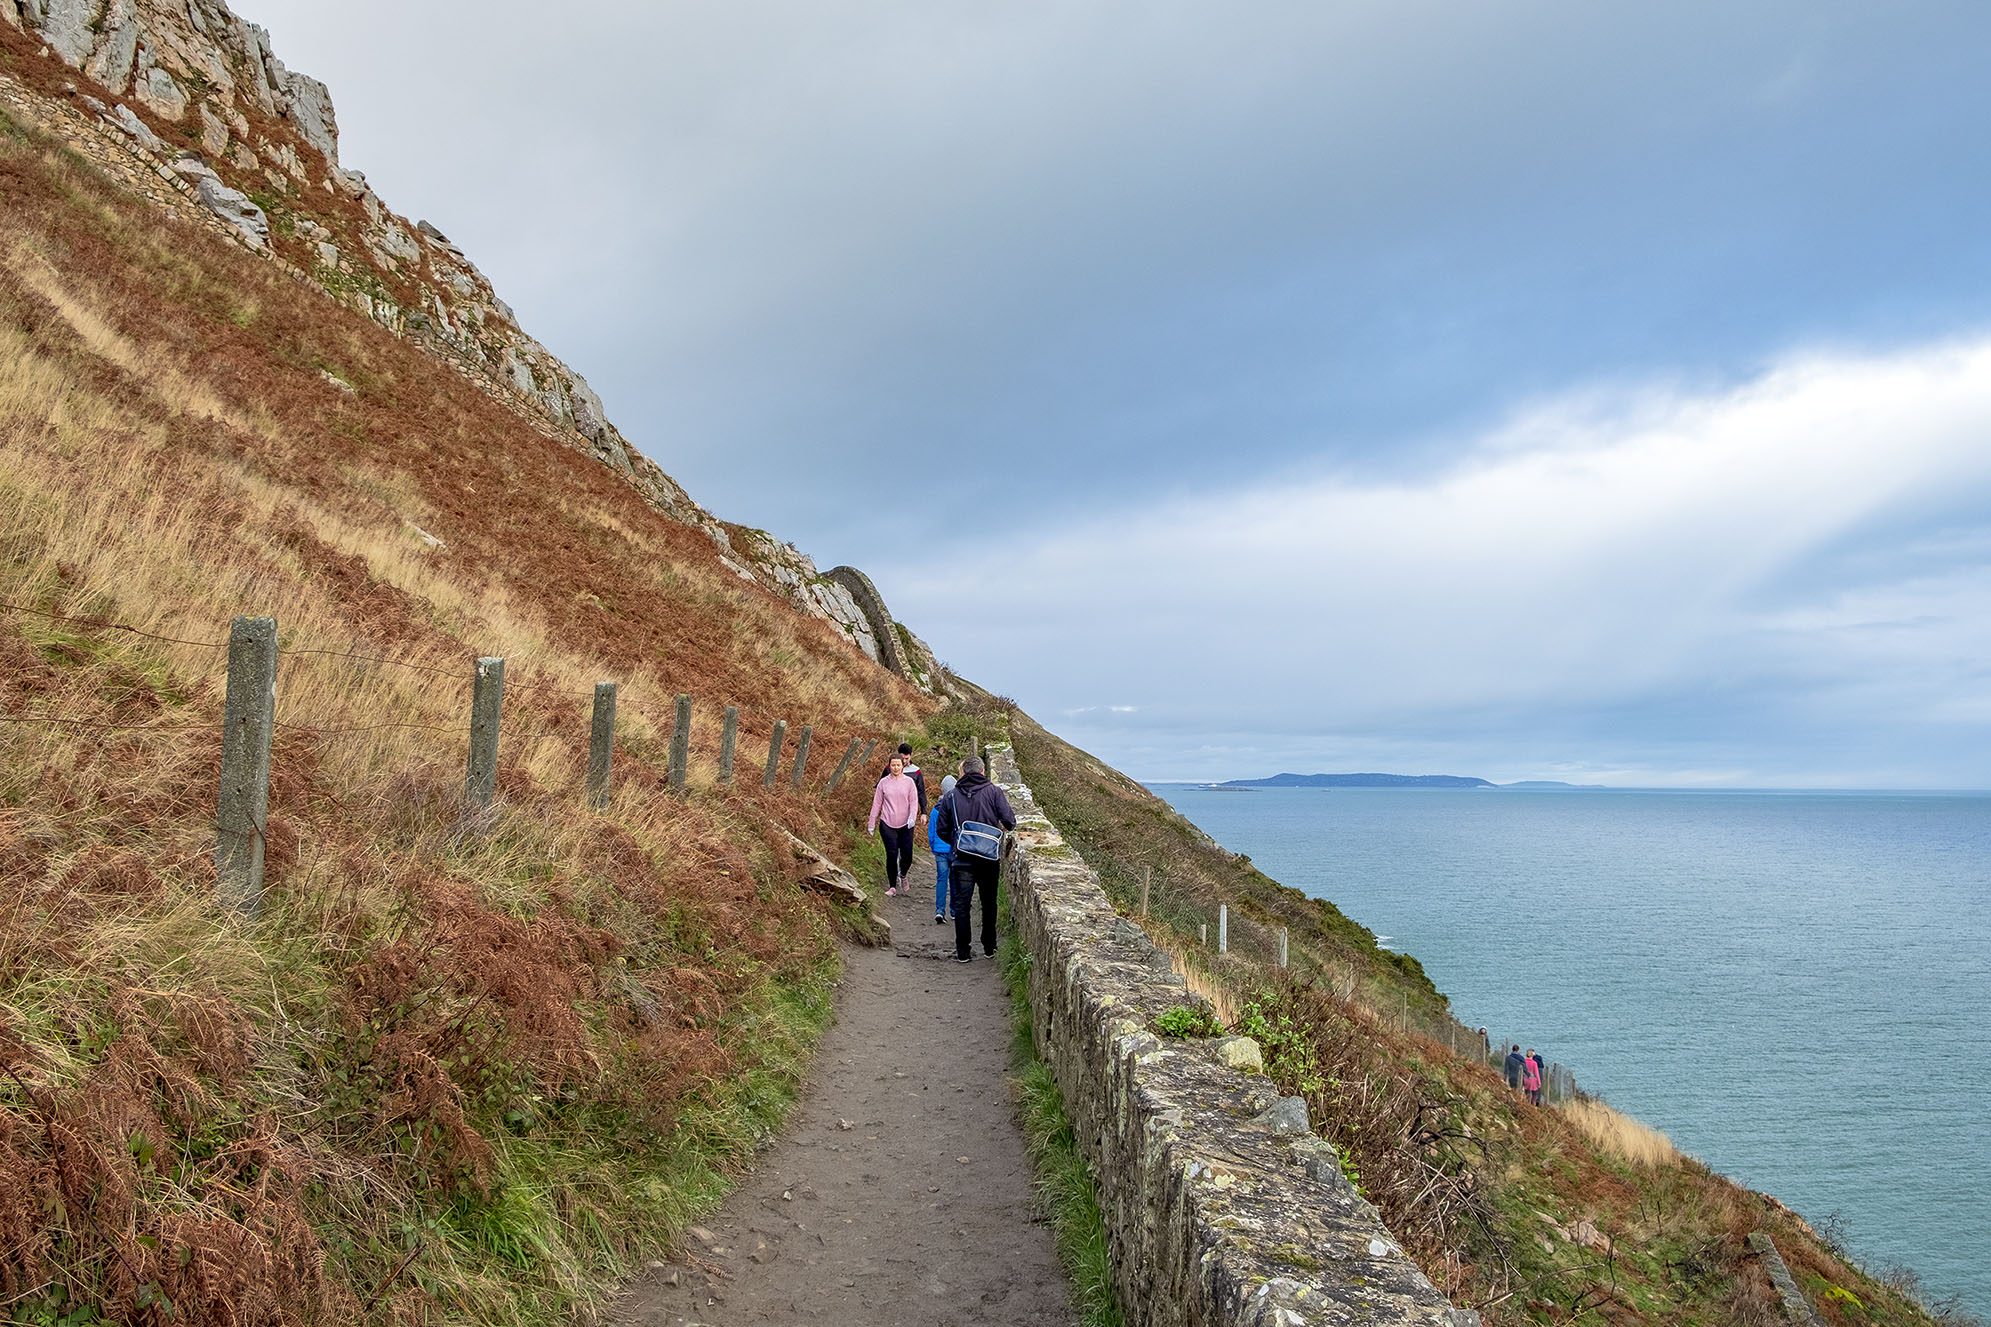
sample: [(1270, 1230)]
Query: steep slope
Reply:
[(460, 1067), (187, 104)]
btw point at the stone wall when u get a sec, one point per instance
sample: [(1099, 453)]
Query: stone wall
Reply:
[(1222, 1208)]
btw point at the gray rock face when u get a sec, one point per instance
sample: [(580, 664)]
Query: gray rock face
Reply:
[(310, 110), (157, 89), (231, 205), (872, 604), (590, 419), (117, 48), (213, 132), (399, 244), (68, 26), (141, 133)]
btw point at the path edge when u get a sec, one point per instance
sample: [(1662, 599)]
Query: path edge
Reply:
[(1218, 1211)]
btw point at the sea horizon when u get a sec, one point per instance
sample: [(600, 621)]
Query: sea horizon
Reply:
[(1549, 786)]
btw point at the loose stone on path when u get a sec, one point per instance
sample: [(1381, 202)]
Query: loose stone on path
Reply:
[(900, 1193)]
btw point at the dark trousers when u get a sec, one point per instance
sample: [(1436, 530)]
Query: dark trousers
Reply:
[(898, 853), (972, 875)]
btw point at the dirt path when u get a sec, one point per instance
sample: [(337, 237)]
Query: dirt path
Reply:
[(900, 1194)]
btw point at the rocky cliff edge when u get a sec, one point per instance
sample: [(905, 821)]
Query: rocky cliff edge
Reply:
[(188, 104)]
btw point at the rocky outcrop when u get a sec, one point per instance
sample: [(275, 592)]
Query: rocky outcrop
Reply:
[(232, 206), (891, 643), (1222, 1208), (187, 103), (885, 641)]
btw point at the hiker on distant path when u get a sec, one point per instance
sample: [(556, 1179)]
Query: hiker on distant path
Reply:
[(943, 855), (914, 773), (1531, 1077), (894, 810), (972, 819), (1515, 1060)]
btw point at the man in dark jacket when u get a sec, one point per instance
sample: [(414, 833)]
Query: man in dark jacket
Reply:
[(1515, 1061), (974, 798)]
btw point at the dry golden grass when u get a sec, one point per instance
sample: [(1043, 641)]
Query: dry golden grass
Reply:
[(1619, 1135), (180, 393), (496, 1036)]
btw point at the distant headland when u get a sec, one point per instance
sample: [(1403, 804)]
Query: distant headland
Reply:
[(1390, 781)]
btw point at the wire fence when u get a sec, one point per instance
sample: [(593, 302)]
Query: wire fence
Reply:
[(1221, 937), (497, 714)]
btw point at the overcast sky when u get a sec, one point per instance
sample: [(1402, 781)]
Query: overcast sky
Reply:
[(1528, 390)]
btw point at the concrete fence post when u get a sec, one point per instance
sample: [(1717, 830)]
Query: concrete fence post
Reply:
[(601, 745), (801, 755), (1203, 934), (1223, 928), (729, 735), (1282, 946), (975, 746), (248, 716), (774, 753), (864, 760), (487, 705), (843, 766), (1147, 883), (680, 742)]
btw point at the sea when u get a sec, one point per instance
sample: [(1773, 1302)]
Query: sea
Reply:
[(1794, 986)]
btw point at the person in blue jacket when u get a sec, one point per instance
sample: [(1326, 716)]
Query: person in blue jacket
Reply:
[(943, 853)]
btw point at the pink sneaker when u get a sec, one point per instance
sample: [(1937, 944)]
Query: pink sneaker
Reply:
[(891, 890)]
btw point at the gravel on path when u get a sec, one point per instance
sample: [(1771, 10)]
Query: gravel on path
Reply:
[(899, 1194)]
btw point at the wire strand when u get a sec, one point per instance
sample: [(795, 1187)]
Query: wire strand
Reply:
[(284, 656), (102, 624), (362, 728), (108, 727)]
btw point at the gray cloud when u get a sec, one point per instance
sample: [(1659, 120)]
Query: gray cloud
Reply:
[(1666, 587), (1140, 276)]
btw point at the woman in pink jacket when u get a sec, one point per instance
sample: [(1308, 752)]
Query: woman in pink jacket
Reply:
[(1531, 1077), (894, 812)]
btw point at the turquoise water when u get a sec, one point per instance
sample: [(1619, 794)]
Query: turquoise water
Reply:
[(1795, 987)]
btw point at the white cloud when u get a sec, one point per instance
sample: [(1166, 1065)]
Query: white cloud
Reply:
[(1580, 557)]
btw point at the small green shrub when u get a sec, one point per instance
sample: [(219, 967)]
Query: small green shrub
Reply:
[(1184, 1020), (1288, 1049)]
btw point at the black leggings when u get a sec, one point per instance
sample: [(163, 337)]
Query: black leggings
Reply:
[(898, 853)]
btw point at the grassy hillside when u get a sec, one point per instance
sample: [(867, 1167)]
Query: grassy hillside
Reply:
[(456, 1069), (1532, 1215), (1139, 844)]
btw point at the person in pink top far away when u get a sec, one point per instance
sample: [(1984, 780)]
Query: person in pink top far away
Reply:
[(894, 812)]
